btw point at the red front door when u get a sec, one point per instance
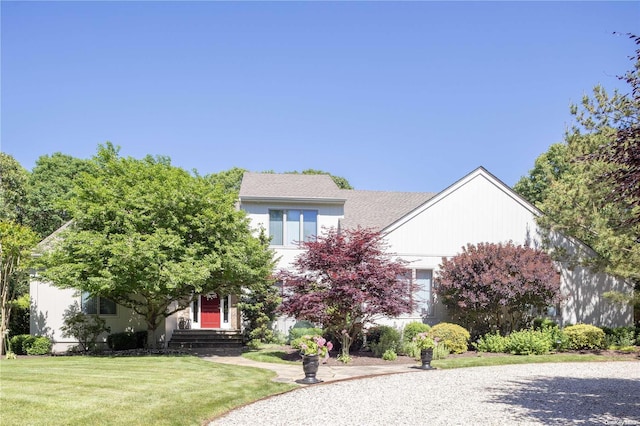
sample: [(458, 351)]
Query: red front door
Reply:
[(210, 311)]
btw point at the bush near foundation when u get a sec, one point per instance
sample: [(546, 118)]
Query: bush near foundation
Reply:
[(16, 344), (491, 342), (127, 340), (528, 342), (382, 339), (412, 329), (584, 336), (453, 336), (620, 337), (37, 345), (25, 344)]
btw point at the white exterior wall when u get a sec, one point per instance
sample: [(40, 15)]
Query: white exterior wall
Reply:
[(328, 217), (49, 303), (474, 211), (480, 209)]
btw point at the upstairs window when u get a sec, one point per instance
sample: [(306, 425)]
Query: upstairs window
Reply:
[(289, 227), (96, 305)]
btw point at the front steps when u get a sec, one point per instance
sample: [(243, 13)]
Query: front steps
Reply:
[(207, 342)]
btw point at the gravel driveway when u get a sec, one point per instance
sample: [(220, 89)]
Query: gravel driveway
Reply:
[(606, 393)]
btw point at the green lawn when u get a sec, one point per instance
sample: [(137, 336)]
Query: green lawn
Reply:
[(160, 390), (481, 361), (126, 390)]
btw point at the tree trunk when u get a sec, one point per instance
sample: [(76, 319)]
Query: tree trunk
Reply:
[(346, 344), (4, 320), (152, 325)]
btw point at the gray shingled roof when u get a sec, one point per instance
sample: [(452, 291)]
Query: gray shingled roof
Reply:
[(379, 209), (271, 185), (369, 209)]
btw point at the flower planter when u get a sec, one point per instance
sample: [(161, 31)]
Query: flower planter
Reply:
[(426, 356), (310, 365)]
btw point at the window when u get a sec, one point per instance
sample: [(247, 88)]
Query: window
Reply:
[(195, 309), (225, 309), (289, 227), (95, 305), (423, 296)]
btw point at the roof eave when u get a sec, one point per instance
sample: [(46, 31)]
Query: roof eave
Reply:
[(291, 200)]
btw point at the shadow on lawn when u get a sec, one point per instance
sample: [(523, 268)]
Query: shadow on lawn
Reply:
[(570, 400)]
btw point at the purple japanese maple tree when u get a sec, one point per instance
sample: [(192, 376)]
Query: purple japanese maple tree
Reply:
[(494, 286), (345, 280)]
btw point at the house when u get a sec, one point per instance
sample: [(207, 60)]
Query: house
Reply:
[(421, 228), (211, 319)]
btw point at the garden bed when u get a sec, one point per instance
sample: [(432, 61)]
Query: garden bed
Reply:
[(363, 358)]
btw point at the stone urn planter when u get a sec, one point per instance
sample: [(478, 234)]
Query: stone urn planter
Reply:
[(426, 356), (310, 365)]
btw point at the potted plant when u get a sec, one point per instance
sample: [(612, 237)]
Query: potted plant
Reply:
[(311, 349), (425, 342)]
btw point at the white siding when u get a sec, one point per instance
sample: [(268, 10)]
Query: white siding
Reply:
[(476, 211), (49, 303), (258, 213), (480, 209)]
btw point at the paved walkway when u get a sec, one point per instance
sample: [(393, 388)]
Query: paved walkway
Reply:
[(289, 373)]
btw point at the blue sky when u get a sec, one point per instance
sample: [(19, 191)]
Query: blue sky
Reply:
[(402, 96)]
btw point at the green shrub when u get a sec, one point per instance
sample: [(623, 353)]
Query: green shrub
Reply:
[(141, 338), (453, 336), (409, 349), (619, 336), (19, 319), (527, 342), (385, 338), (540, 323), (440, 351), (17, 342), (83, 327), (559, 340), (584, 336), (491, 342), (124, 341), (296, 333), (254, 344), (37, 345), (374, 333), (412, 329), (389, 355)]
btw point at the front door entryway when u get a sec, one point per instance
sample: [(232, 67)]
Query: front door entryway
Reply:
[(210, 311)]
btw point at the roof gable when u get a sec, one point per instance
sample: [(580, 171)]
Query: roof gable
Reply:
[(479, 172)]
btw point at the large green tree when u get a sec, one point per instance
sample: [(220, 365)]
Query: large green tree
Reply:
[(150, 237), (50, 185), (13, 189), (574, 183), (232, 179), (341, 182), (16, 242)]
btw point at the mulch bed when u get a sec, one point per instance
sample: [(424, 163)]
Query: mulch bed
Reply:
[(363, 358)]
